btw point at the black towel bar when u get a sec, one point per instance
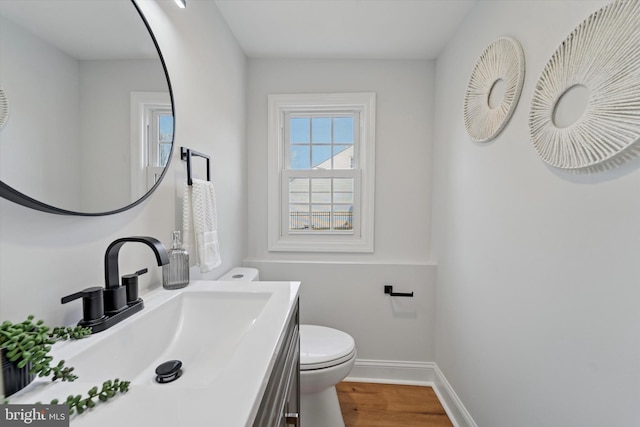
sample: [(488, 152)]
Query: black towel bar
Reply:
[(186, 154), (388, 289)]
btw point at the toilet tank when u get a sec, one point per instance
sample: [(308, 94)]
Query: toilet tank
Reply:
[(241, 274)]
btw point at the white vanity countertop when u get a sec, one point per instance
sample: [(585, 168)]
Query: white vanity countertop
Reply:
[(229, 398)]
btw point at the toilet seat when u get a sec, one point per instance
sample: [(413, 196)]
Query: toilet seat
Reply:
[(322, 347)]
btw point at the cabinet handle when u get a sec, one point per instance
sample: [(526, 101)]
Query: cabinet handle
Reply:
[(292, 418)]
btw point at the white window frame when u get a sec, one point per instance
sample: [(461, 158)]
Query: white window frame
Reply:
[(279, 237)]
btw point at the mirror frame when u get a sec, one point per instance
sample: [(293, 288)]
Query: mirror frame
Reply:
[(11, 194)]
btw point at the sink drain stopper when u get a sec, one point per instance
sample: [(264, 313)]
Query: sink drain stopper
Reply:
[(169, 371)]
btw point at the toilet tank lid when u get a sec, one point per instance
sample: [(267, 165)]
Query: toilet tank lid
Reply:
[(241, 274), (320, 344)]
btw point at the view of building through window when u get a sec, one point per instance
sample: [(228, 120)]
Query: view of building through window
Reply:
[(159, 124), (319, 202), (164, 138)]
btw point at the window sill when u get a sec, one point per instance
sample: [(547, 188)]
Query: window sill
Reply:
[(321, 244)]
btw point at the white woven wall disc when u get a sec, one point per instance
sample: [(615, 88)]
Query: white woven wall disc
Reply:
[(603, 55), (502, 60)]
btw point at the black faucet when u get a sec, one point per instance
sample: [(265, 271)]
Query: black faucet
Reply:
[(115, 298), (103, 308)]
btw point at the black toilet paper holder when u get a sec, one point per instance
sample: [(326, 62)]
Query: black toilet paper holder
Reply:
[(388, 289)]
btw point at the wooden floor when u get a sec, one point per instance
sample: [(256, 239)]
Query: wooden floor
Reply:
[(387, 405)]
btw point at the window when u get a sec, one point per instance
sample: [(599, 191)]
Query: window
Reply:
[(159, 123), (160, 136), (321, 172), (151, 139)]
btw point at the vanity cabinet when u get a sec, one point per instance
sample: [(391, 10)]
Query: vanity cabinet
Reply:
[(280, 406)]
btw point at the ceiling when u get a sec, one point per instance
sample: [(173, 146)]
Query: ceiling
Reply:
[(85, 30), (380, 29)]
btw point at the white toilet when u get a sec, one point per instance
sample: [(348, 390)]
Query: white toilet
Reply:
[(327, 356)]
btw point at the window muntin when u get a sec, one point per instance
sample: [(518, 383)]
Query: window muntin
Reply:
[(160, 137), (320, 142), (164, 137), (159, 121), (321, 204)]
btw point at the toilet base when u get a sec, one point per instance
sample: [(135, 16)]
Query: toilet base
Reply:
[(321, 409)]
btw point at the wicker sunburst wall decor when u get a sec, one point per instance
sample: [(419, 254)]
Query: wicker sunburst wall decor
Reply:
[(603, 55), (501, 60)]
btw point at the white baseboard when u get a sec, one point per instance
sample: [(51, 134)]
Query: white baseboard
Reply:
[(414, 373), (393, 372)]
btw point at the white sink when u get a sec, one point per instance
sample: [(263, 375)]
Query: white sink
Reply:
[(202, 329), (225, 333)]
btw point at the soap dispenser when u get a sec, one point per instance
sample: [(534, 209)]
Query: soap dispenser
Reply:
[(175, 275)]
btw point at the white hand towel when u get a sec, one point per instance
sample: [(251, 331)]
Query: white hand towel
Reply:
[(200, 225)]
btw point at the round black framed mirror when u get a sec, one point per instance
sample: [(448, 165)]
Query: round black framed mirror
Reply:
[(90, 117)]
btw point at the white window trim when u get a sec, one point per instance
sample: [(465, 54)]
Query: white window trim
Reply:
[(359, 241)]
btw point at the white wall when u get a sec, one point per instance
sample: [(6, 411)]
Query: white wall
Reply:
[(346, 290), (44, 257), (349, 296), (538, 273), (105, 93), (404, 118), (41, 84)]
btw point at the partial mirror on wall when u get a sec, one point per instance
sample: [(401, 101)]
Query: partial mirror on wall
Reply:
[(92, 121)]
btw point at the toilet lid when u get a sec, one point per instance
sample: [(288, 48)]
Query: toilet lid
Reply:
[(322, 347)]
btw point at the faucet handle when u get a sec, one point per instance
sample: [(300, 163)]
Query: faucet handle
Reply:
[(130, 282), (92, 304)]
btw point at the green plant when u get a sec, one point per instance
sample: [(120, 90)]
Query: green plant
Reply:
[(109, 389), (29, 342)]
